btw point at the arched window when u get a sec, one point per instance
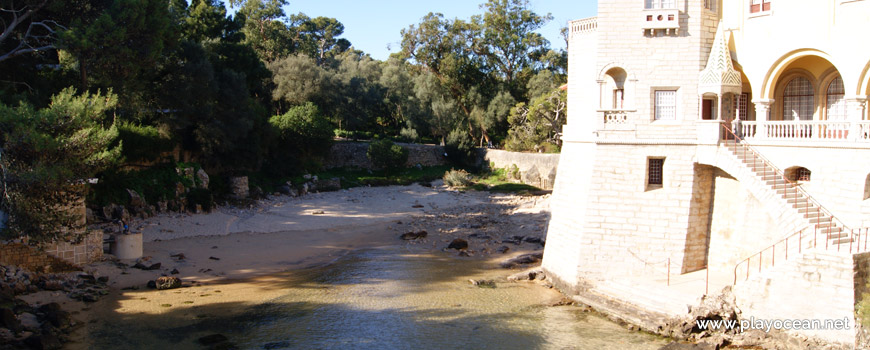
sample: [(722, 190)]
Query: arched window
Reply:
[(835, 106), (797, 100), (615, 88)]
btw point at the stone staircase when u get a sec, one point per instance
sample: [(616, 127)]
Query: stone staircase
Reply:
[(807, 212)]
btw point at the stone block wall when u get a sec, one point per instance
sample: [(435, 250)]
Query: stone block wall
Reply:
[(33, 259), (536, 169), (814, 285), (630, 225), (89, 250), (353, 155), (569, 206)]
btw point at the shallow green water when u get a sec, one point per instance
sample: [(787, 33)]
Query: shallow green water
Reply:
[(384, 299)]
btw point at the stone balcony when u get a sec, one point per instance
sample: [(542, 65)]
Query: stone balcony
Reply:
[(667, 20)]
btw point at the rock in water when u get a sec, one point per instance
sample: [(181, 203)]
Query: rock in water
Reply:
[(414, 235), (167, 282), (523, 260), (458, 244), (213, 339)]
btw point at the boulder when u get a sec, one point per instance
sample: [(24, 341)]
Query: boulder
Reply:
[(202, 179), (239, 187), (137, 203), (213, 339), (414, 235), (531, 177), (45, 341), (55, 315), (458, 244), (167, 282), (8, 320), (524, 259)]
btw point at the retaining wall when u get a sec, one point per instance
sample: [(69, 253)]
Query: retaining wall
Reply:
[(353, 155), (536, 169)]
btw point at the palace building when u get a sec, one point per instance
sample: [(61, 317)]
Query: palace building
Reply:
[(715, 143)]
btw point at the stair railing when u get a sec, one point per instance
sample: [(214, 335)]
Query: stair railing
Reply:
[(787, 184)]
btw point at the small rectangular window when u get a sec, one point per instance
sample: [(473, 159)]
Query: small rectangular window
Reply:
[(756, 6), (655, 172), (666, 105)]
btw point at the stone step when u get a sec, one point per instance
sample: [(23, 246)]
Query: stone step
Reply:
[(658, 298)]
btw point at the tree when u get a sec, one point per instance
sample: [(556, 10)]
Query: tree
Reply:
[(319, 37), (23, 32), (122, 46), (508, 39), (538, 125), (265, 29), (47, 155), (298, 79)]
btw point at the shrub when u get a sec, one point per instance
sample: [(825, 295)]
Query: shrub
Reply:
[(142, 142), (200, 196), (457, 178), (304, 128), (408, 135), (387, 155), (460, 148), (45, 152)]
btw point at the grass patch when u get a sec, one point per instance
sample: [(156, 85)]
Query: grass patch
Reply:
[(356, 177), (497, 181)]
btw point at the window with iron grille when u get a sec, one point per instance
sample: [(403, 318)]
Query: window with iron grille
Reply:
[(797, 100), (655, 173), (756, 6), (835, 106), (802, 174), (741, 104), (661, 4), (710, 4), (666, 105)]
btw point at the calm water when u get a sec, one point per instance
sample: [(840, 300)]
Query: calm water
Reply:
[(388, 299)]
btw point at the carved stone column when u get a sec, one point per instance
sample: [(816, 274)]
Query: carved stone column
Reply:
[(855, 109), (762, 115)]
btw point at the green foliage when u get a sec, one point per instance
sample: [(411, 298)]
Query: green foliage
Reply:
[(457, 178), (46, 156), (142, 143), (408, 135), (460, 148), (201, 196), (154, 184), (385, 154), (537, 127), (304, 136)]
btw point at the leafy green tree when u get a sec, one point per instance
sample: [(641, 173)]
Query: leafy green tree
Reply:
[(387, 155), (401, 106), (46, 155), (264, 27), (509, 41), (121, 46), (298, 79), (320, 37), (303, 128), (538, 125)]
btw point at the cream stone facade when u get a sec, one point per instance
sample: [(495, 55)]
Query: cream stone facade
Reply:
[(723, 137)]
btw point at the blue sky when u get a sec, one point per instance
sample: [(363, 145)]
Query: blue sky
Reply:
[(374, 25)]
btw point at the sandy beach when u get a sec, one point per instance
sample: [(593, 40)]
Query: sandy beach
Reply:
[(241, 256)]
